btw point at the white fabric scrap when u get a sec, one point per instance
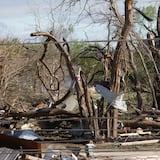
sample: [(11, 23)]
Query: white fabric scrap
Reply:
[(119, 103), (114, 99)]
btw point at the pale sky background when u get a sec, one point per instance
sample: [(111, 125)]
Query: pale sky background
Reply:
[(17, 18)]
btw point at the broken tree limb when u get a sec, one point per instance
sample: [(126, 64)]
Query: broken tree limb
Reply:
[(154, 112), (139, 118), (142, 124), (44, 85), (66, 55), (60, 48)]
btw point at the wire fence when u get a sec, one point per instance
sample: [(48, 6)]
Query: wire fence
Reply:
[(79, 41)]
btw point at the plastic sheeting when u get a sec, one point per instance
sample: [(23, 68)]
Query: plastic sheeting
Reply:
[(24, 134), (116, 100)]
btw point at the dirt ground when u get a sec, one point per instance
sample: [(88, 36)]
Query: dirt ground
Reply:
[(110, 151)]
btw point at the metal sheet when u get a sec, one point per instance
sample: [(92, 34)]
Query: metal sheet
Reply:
[(8, 154)]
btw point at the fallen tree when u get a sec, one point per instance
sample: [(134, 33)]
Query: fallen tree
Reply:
[(85, 102), (142, 124)]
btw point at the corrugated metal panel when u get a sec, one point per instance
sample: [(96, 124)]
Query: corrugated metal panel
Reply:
[(17, 143), (8, 154)]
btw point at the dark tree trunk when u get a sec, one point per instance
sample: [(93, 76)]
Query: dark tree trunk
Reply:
[(116, 68)]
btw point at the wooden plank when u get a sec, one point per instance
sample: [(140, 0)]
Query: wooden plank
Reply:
[(140, 142), (128, 134), (29, 157)]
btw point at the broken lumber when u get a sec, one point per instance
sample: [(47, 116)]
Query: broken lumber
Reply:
[(134, 134), (128, 134), (157, 112), (140, 142)]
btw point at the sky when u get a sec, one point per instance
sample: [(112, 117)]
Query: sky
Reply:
[(19, 18)]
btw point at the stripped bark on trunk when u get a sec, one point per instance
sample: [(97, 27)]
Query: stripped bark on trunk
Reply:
[(116, 68)]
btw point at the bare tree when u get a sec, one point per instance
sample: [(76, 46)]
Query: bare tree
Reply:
[(11, 68)]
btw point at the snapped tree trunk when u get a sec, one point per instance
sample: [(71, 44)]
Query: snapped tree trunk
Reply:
[(116, 68)]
